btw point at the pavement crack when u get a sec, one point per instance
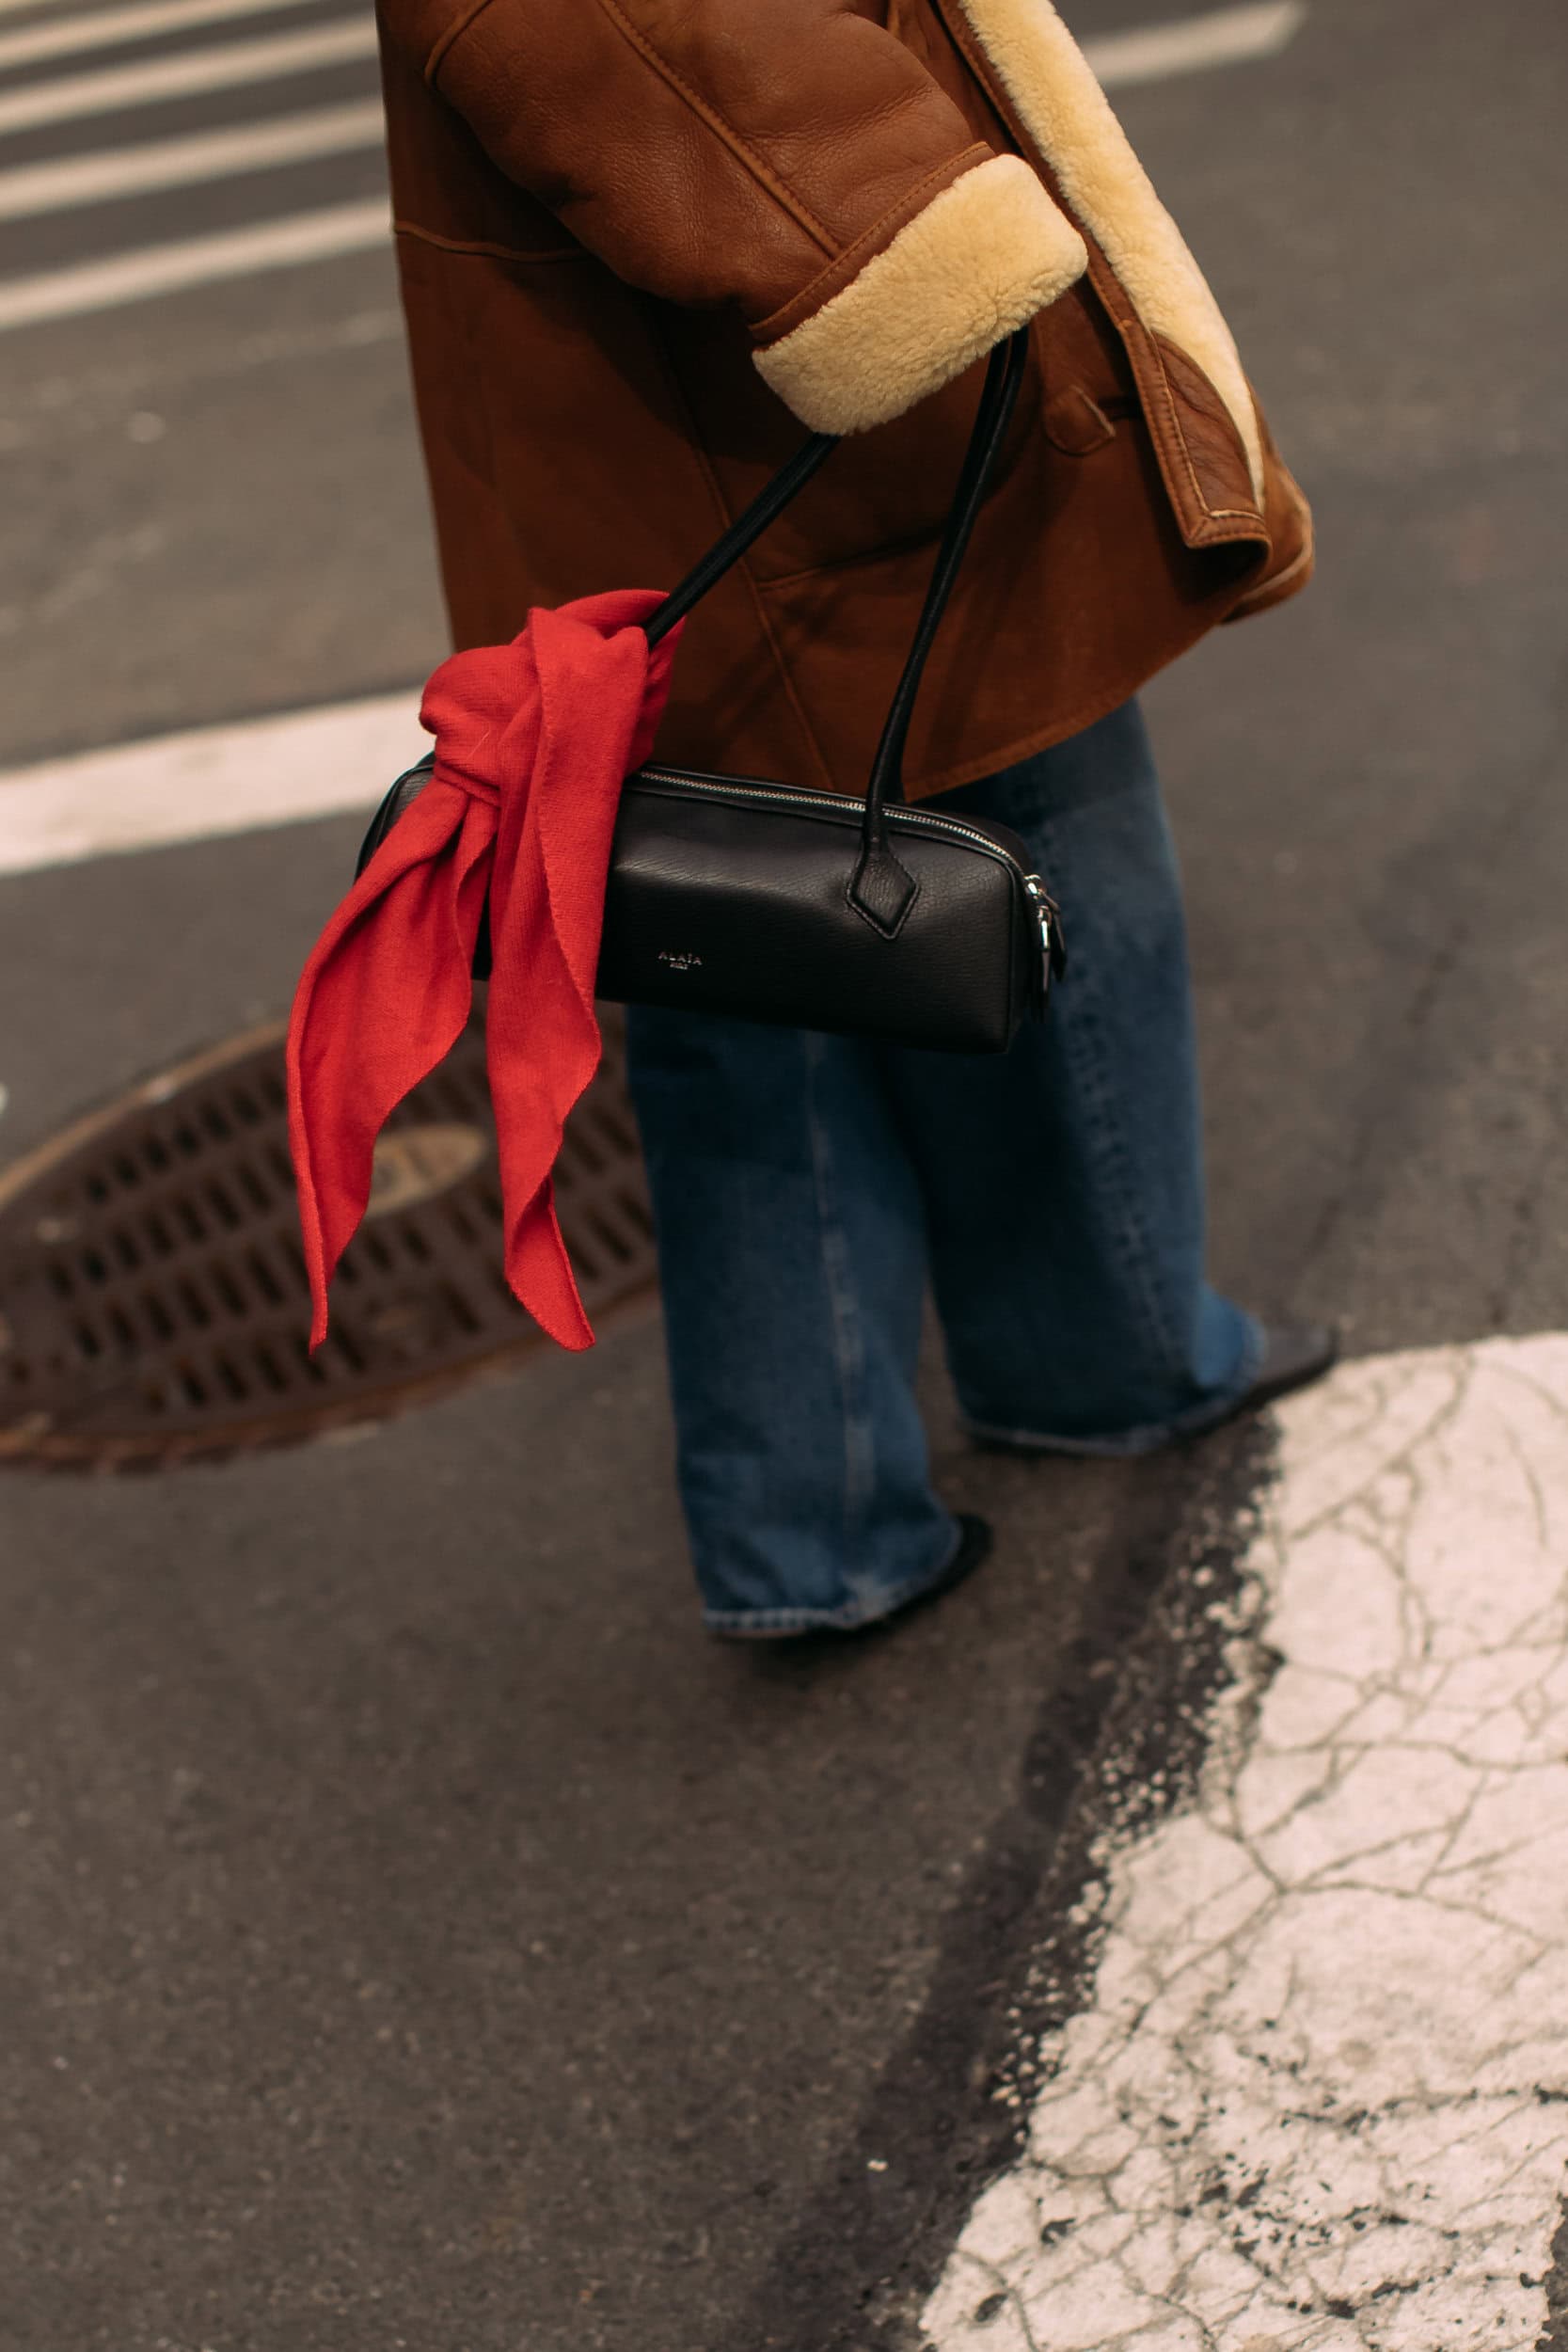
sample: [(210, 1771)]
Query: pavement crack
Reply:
[(1310, 2078)]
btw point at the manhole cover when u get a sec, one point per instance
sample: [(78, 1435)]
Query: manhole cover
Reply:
[(153, 1298)]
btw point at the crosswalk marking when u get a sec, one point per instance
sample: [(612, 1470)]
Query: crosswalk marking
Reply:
[(208, 780), (187, 75), (106, 28), (1195, 43), (196, 262), (1219, 37), (54, 187)]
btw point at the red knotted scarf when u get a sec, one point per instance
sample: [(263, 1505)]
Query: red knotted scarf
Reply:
[(532, 742)]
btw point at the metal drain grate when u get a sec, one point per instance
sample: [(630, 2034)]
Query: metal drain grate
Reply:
[(153, 1298)]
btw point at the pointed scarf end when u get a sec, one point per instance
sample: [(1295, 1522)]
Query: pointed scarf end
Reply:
[(561, 1320)]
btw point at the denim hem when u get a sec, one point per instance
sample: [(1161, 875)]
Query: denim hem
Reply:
[(1128, 1443), (772, 1625)]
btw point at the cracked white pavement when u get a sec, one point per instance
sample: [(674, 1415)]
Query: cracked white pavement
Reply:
[(1318, 2101)]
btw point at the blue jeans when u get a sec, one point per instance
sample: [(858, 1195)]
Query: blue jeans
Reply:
[(806, 1188)]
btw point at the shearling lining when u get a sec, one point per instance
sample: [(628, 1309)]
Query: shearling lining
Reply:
[(1067, 116), (979, 263)]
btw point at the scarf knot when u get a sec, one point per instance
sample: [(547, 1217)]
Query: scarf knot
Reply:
[(534, 740)]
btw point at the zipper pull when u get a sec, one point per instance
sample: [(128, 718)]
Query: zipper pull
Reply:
[(1049, 914)]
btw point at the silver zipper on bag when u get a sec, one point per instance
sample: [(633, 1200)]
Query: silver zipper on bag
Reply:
[(1047, 912), (1049, 916)]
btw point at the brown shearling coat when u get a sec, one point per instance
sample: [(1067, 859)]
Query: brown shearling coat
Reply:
[(644, 243)]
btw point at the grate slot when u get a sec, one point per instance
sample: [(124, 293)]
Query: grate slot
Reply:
[(264, 1280), (158, 1316), (227, 1288), (218, 1199), (193, 1303), (461, 1224), (183, 1210), (155, 1226), (256, 1194), (462, 1313), (618, 1244)]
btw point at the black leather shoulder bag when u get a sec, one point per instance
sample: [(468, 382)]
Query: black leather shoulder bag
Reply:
[(729, 894)]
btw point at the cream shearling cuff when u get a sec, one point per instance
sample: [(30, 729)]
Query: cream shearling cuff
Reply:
[(979, 263), (1067, 116)]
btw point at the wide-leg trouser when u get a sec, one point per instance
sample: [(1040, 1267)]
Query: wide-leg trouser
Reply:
[(807, 1188)]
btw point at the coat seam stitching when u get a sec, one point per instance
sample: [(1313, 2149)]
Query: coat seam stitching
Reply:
[(906, 212), (1124, 313), (454, 33), (1156, 339), (481, 249), (740, 148), (1167, 399)]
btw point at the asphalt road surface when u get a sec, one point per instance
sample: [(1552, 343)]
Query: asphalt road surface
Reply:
[(414, 1933)]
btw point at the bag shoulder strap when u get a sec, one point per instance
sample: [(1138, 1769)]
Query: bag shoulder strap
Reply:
[(727, 551), (992, 418), (1002, 378)]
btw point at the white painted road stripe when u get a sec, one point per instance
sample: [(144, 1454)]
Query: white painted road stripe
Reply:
[(56, 187), (1194, 45), (185, 76), (106, 28), (197, 261), (1319, 2101), (212, 780), (1224, 37)]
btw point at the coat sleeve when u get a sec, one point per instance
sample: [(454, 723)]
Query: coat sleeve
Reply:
[(790, 158)]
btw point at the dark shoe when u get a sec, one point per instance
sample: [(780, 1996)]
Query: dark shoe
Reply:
[(1294, 1355), (975, 1543)]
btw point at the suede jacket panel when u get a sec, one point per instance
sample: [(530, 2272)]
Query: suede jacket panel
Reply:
[(644, 244)]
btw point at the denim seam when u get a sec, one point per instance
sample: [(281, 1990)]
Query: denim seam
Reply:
[(1084, 1044), (848, 1343)]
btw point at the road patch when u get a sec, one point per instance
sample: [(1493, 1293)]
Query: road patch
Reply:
[(1317, 2100)]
